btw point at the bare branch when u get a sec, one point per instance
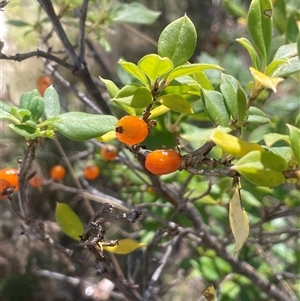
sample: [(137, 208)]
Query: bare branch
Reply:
[(82, 19), (19, 57)]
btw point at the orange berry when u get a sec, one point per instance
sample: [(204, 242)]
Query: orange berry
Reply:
[(43, 82), (11, 175), (162, 161), (4, 186), (131, 130), (35, 181), (57, 172), (109, 152), (91, 172)]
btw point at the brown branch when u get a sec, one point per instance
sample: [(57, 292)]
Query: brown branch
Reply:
[(19, 57), (82, 19), (81, 71)]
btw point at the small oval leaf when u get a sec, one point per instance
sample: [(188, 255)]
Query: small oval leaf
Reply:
[(233, 145), (52, 104), (178, 41), (295, 141), (239, 222), (81, 126), (68, 221), (176, 103)]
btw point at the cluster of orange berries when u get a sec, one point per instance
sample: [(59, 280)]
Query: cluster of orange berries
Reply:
[(133, 130)]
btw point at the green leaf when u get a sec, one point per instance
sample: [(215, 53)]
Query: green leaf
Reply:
[(18, 23), (228, 87), (37, 108), (272, 138), (255, 115), (81, 126), (125, 246), (279, 15), (260, 25), (241, 103), (262, 168), (134, 95), (52, 104), (141, 98), (298, 45), (289, 52), (68, 221), (234, 9), (26, 131), (203, 81), (135, 13), (22, 114), (26, 99), (176, 103), (155, 66), (215, 108), (274, 65), (239, 222), (5, 110), (251, 50), (111, 87), (295, 141), (190, 69), (178, 41), (292, 29), (135, 71)]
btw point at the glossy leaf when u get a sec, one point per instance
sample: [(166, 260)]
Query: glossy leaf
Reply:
[(260, 25), (203, 81), (239, 222), (232, 145), (190, 69), (26, 98), (81, 126), (155, 66), (290, 52), (135, 13), (125, 246), (52, 103), (36, 107), (274, 65), (215, 108), (262, 168), (135, 71), (251, 50), (264, 80), (134, 95), (176, 103), (160, 110), (228, 87), (111, 87), (68, 221), (295, 141), (178, 41), (255, 115)]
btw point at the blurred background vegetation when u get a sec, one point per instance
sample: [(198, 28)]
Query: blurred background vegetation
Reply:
[(25, 264)]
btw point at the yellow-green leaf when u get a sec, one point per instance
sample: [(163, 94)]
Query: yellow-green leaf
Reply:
[(176, 103), (233, 145), (295, 141), (160, 110), (210, 293), (68, 221), (125, 246), (239, 222), (107, 137), (265, 81)]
